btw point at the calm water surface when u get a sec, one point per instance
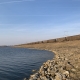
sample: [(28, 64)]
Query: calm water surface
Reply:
[(18, 63)]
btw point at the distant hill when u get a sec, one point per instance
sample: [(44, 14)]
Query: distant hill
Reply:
[(69, 38)]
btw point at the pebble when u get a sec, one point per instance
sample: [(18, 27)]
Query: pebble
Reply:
[(56, 69)]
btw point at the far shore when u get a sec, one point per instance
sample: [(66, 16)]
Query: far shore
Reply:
[(69, 50)]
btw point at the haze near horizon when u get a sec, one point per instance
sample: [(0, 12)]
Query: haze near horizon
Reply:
[(24, 21)]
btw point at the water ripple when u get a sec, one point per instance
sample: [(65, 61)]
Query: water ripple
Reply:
[(17, 63)]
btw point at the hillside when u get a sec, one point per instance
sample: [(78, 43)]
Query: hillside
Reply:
[(66, 49)]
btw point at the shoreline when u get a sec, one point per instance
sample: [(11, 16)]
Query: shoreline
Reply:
[(54, 69), (66, 61)]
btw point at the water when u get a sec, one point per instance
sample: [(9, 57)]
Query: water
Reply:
[(18, 63)]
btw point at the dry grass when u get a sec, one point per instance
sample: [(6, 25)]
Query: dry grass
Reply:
[(70, 49)]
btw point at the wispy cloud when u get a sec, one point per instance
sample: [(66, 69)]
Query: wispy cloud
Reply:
[(15, 1)]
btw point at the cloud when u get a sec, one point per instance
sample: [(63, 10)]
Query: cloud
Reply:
[(15, 1)]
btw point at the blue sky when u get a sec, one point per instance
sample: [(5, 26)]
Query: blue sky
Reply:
[(23, 21)]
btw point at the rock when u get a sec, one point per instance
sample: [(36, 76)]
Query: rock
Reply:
[(41, 69), (66, 73), (73, 70), (45, 68), (35, 76), (76, 67), (43, 73), (43, 78), (38, 79), (58, 76), (25, 79), (34, 70), (57, 69), (52, 73), (64, 77), (72, 75), (66, 59), (48, 69), (68, 67)]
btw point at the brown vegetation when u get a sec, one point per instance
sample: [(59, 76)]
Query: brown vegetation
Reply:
[(69, 49), (69, 38)]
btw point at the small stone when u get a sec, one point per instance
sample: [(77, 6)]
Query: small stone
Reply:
[(68, 67), (64, 77), (72, 75), (66, 59), (66, 73), (33, 70), (43, 73), (38, 79), (73, 70), (76, 66), (58, 76)]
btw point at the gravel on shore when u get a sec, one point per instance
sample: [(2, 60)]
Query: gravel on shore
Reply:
[(65, 65)]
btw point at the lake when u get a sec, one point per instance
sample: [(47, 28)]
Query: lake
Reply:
[(18, 63)]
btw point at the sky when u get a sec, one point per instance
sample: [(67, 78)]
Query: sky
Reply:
[(24, 21)]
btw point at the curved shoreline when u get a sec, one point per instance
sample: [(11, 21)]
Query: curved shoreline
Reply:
[(54, 69), (67, 59)]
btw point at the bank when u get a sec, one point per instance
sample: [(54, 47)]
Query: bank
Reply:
[(67, 56)]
